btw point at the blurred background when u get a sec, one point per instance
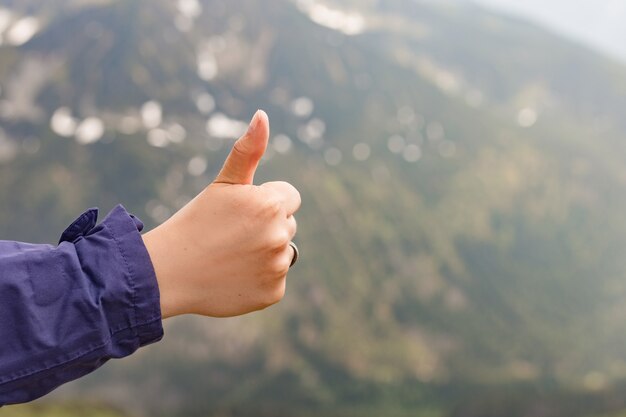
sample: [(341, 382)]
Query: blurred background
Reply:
[(463, 173)]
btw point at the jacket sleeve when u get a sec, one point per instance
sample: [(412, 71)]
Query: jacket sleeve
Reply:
[(65, 310)]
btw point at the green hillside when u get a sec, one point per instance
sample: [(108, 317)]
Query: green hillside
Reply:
[(463, 187), (76, 410)]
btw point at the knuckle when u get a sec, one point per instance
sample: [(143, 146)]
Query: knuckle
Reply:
[(280, 239), (277, 293), (281, 267), (284, 270), (240, 149), (277, 266), (271, 205), (292, 191), (271, 296), (287, 191), (292, 226), (297, 195)]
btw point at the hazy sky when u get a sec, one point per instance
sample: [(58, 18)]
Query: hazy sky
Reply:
[(599, 23)]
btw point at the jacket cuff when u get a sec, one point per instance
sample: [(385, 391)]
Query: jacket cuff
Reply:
[(145, 319), (131, 303)]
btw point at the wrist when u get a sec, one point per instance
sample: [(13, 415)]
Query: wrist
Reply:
[(158, 252)]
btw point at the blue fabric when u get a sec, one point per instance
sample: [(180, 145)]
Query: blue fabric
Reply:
[(66, 310)]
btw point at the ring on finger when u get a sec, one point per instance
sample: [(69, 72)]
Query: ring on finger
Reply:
[(296, 254)]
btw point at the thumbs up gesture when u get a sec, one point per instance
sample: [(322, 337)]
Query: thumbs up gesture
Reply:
[(227, 251)]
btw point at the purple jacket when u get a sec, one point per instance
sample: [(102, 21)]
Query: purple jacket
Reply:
[(66, 310)]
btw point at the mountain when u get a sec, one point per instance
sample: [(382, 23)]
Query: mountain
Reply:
[(463, 187)]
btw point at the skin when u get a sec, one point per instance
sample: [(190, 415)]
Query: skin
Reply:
[(227, 252)]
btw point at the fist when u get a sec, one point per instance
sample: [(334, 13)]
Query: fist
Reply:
[(227, 251)]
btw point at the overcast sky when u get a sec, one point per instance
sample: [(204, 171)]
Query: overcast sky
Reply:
[(599, 23)]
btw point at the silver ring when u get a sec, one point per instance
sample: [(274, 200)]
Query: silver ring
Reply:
[(296, 254)]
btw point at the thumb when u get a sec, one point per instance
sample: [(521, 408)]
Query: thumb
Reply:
[(244, 158)]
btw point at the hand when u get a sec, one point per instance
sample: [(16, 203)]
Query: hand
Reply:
[(227, 251)]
